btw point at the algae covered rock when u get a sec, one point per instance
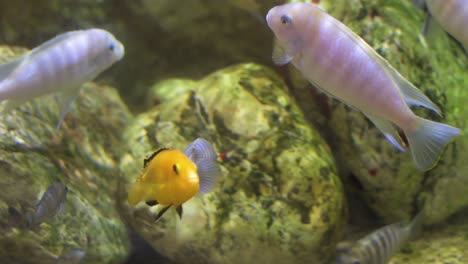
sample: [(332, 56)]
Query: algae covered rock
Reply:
[(278, 197), (83, 155), (387, 179)]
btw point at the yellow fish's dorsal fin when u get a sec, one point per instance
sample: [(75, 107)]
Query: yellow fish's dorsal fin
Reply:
[(150, 157)]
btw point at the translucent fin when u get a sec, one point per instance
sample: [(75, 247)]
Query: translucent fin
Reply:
[(427, 141), (279, 55), (200, 149), (208, 172), (413, 96), (388, 130), (203, 154), (65, 101)]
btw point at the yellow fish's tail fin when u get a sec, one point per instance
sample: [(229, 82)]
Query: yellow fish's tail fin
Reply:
[(427, 140), (202, 153), (136, 193)]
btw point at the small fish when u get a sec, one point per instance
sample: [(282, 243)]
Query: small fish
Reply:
[(380, 245), (452, 15), (51, 203), (60, 65), (345, 67), (170, 177)]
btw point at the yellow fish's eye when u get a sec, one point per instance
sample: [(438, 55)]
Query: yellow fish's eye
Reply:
[(176, 168)]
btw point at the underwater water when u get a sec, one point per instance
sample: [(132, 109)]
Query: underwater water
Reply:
[(99, 157)]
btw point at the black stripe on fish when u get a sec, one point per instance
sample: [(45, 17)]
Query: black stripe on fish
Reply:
[(150, 157)]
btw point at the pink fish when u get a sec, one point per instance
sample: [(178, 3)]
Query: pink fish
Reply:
[(344, 66)]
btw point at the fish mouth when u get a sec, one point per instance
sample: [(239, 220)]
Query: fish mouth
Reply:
[(120, 52)]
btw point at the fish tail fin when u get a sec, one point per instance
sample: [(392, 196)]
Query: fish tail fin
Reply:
[(136, 193), (202, 153), (427, 140)]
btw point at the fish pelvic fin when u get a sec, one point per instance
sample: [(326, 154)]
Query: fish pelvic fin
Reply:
[(279, 55), (387, 128), (202, 153), (179, 211), (427, 140), (65, 101), (161, 213)]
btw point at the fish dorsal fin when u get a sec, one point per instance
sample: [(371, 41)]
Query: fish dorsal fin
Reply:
[(202, 153), (387, 129), (411, 94), (279, 55), (151, 156)]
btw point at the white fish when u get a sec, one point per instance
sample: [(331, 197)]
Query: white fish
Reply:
[(344, 66), (62, 65), (380, 245), (452, 15)]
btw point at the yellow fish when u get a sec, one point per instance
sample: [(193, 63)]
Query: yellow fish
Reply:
[(171, 177)]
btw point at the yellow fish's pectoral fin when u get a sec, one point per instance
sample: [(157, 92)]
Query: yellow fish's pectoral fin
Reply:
[(179, 211), (151, 203), (161, 213)]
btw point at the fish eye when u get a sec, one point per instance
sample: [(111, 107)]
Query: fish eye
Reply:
[(111, 46), (285, 19), (175, 168)]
